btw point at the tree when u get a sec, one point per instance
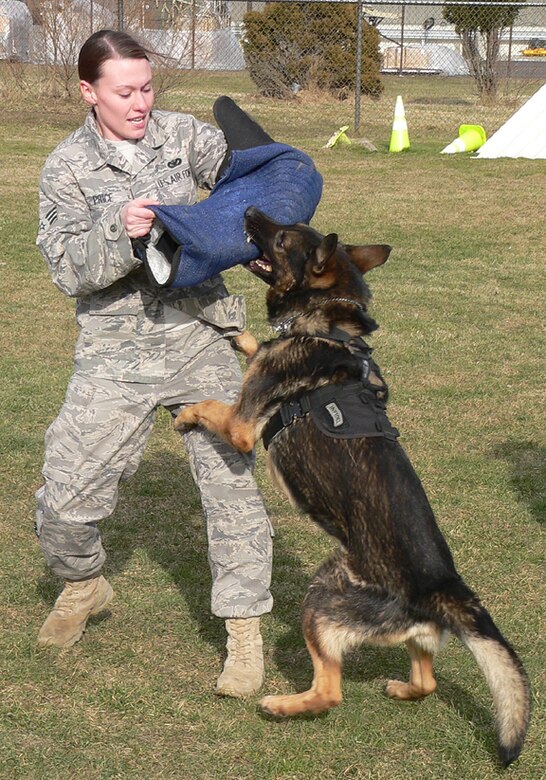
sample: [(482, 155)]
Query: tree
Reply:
[(289, 46), (480, 28)]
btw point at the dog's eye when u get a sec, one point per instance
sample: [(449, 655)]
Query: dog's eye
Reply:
[(280, 239)]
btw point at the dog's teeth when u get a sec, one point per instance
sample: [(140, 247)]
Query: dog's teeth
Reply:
[(264, 264)]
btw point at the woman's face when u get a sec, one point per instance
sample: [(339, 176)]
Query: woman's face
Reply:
[(122, 98)]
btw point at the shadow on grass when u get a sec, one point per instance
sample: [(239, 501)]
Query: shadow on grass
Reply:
[(369, 665), (527, 462), (159, 511)]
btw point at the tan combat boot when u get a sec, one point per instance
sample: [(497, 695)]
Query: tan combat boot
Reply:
[(66, 622), (243, 672)]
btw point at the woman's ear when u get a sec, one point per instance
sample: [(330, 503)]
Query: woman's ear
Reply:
[(88, 93)]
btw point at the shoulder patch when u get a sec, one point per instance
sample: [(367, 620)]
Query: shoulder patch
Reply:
[(48, 218)]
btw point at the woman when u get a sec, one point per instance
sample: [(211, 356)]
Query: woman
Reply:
[(139, 348)]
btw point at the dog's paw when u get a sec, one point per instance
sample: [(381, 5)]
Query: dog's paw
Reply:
[(309, 702), (396, 689), (246, 343), (270, 705), (242, 440), (405, 691), (186, 419)]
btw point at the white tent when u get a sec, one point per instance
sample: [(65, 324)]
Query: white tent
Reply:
[(523, 135), (65, 26), (203, 49), (15, 29)]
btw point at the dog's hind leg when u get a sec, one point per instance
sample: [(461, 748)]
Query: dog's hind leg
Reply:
[(422, 681), (328, 634), (324, 693)]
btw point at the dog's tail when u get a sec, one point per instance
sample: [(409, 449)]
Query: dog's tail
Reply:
[(466, 617)]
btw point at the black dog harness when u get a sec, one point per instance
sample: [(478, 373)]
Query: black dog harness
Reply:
[(349, 410)]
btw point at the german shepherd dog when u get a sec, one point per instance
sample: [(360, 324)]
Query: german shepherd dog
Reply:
[(318, 398)]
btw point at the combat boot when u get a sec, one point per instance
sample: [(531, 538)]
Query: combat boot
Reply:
[(66, 622), (243, 672)]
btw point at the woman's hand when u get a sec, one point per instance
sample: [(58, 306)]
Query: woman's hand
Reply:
[(136, 218)]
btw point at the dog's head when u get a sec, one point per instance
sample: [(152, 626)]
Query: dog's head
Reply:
[(300, 264)]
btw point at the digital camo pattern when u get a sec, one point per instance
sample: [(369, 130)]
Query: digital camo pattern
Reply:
[(86, 181), (84, 185), (98, 439), (142, 340), (140, 347)]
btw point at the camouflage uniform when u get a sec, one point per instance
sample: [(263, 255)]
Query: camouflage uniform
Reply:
[(138, 348)]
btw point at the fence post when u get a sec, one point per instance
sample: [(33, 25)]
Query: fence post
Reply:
[(509, 63), (120, 15), (193, 35), (402, 23), (358, 73)]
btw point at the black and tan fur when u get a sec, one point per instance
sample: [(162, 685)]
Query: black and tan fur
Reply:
[(393, 579)]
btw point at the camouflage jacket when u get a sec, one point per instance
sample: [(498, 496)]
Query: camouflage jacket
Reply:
[(129, 330)]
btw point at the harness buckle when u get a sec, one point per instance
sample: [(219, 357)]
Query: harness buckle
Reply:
[(289, 411)]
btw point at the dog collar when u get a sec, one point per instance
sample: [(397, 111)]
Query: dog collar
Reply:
[(283, 328)]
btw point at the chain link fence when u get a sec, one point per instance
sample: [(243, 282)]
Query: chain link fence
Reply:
[(490, 56)]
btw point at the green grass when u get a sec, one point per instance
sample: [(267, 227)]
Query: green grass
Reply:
[(434, 107), (461, 344)]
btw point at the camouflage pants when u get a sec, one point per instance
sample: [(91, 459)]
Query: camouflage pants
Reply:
[(98, 439)]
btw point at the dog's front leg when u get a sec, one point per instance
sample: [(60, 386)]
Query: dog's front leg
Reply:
[(222, 420), (246, 343)]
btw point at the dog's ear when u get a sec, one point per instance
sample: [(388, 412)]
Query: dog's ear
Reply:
[(368, 256), (324, 252)]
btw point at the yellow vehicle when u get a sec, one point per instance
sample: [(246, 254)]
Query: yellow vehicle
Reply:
[(536, 48)]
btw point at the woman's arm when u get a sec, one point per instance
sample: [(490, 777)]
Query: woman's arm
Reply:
[(83, 255), (207, 150)]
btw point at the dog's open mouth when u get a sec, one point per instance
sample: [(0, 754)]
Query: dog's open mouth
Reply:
[(263, 264), (262, 268)]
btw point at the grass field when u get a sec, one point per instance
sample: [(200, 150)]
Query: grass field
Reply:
[(461, 343)]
